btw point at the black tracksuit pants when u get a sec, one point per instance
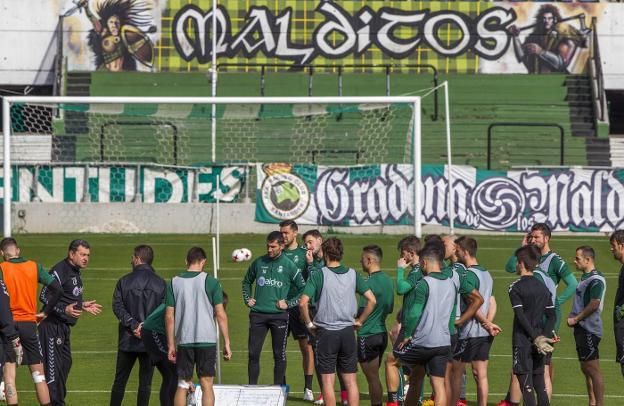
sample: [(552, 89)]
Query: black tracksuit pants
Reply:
[(125, 363), (156, 346), (57, 360), (259, 326)]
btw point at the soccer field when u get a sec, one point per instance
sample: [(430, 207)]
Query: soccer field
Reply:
[(94, 339)]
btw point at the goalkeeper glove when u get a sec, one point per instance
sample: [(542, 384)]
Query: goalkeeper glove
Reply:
[(619, 312), (16, 344), (543, 345)]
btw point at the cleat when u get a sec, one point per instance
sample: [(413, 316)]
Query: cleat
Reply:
[(503, 403), (319, 401), (308, 395)]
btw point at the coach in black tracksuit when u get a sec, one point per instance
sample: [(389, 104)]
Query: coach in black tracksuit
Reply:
[(54, 331), (136, 295)]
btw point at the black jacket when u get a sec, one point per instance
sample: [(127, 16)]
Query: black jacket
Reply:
[(136, 295), (68, 276)]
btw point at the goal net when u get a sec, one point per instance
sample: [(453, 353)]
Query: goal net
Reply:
[(186, 150)]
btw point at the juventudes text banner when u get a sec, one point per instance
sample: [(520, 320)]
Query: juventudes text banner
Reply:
[(106, 184)]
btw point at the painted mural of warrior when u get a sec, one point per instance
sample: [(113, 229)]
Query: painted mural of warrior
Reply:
[(116, 39), (551, 46)]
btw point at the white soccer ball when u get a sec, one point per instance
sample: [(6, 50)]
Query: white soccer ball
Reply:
[(241, 255)]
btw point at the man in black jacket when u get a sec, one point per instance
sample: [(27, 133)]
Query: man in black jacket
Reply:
[(136, 295), (54, 331)]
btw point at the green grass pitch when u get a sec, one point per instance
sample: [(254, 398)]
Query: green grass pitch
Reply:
[(94, 339)]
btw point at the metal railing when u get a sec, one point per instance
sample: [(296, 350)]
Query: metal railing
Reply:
[(596, 76), (138, 123), (310, 68), (527, 124)]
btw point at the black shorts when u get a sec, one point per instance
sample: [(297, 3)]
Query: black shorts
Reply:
[(434, 359), (295, 326), (372, 347), (526, 360), (29, 337), (203, 359), (336, 349), (454, 340), (473, 349), (548, 358), (586, 344)]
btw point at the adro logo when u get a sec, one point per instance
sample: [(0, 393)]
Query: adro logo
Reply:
[(262, 281), (284, 194)]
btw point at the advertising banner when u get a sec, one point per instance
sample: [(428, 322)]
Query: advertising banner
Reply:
[(455, 37), (106, 184), (572, 199)]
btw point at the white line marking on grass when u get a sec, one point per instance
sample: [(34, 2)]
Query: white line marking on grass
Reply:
[(558, 395), (294, 352)]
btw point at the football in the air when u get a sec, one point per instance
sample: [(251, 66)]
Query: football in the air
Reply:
[(241, 254)]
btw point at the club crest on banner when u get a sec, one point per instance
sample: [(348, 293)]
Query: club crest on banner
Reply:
[(284, 194)]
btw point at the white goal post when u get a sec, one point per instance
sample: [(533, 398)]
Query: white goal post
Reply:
[(414, 103)]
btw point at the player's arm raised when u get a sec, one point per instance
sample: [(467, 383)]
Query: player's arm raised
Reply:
[(403, 285), (569, 280)]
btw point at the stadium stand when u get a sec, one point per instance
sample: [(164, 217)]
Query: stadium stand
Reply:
[(476, 102)]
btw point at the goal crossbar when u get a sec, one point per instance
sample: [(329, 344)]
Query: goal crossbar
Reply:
[(413, 101)]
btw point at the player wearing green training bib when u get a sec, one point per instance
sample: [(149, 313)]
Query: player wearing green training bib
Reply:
[(373, 336), (408, 249), (297, 255)]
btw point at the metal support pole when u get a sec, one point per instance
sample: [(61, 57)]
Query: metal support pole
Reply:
[(213, 68), (310, 76), (216, 276), (451, 197), (417, 169), (6, 131), (217, 195)]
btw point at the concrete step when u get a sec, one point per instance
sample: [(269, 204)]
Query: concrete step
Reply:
[(598, 151), (616, 144)]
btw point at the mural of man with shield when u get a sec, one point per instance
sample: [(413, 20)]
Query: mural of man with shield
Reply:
[(116, 39)]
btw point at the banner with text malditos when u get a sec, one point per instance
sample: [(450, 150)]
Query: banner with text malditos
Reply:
[(454, 37), (572, 199)]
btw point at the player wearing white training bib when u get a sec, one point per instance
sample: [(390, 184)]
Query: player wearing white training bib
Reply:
[(475, 340), (426, 339), (586, 320)]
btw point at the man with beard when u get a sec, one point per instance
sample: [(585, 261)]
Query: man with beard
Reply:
[(54, 331), (272, 274)]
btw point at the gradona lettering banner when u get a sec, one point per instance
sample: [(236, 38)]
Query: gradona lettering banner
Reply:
[(574, 199), (455, 37)]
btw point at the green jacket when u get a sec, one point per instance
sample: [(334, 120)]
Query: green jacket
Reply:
[(273, 278)]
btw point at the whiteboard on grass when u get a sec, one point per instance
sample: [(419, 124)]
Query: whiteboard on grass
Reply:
[(246, 395)]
